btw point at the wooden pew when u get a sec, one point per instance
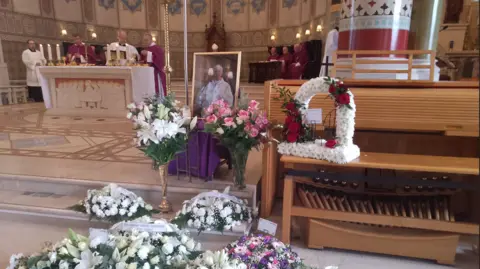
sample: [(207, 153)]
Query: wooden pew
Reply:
[(423, 118)]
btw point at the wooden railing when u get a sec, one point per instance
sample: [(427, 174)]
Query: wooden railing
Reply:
[(409, 54)]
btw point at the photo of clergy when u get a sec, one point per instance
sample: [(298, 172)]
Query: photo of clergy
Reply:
[(216, 75)]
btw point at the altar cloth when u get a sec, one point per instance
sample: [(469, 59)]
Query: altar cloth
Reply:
[(130, 84), (205, 153)]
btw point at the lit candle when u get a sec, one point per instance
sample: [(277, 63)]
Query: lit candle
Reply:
[(109, 53), (49, 51), (41, 50), (118, 53), (59, 57)]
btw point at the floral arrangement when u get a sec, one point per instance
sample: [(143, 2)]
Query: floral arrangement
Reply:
[(114, 204), (338, 150), (214, 211), (294, 128), (161, 128), (216, 260), (119, 250), (264, 252), (239, 130)]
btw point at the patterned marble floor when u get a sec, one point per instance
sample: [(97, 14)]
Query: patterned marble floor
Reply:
[(26, 131)]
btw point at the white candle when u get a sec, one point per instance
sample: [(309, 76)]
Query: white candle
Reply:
[(49, 51), (109, 53), (59, 57), (118, 53), (41, 50)]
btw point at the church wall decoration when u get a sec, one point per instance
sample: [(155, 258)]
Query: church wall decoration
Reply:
[(152, 13), (4, 3), (235, 6), (88, 10), (107, 4), (198, 7), (258, 5), (175, 8), (132, 5), (289, 3), (68, 1), (46, 6)]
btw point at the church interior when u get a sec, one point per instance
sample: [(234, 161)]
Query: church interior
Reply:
[(347, 129)]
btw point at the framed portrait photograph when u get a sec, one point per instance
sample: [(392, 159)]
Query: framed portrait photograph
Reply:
[(216, 75)]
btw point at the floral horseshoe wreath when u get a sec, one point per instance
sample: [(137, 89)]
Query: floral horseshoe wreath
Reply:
[(340, 150)]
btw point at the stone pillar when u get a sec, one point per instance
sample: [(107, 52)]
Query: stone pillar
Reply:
[(4, 79), (375, 24), (426, 20)]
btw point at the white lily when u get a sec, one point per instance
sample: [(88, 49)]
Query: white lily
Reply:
[(88, 260)]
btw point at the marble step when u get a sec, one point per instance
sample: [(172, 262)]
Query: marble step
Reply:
[(49, 204), (181, 189)]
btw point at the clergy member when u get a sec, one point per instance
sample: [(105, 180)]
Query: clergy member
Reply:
[(126, 49), (300, 60), (330, 47), (273, 55), (32, 58), (216, 89), (79, 52), (155, 57), (286, 59)]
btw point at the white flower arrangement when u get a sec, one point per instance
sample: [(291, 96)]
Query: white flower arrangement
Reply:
[(116, 250), (214, 211), (216, 260), (342, 149), (161, 127), (114, 204)]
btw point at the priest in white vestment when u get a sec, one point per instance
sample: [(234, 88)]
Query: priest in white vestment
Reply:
[(32, 58), (216, 89), (128, 50), (330, 48)]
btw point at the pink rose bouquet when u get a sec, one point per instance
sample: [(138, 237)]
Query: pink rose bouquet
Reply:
[(239, 130)]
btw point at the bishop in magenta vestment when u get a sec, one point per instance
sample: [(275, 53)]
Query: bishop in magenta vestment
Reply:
[(300, 60), (77, 53), (155, 57)]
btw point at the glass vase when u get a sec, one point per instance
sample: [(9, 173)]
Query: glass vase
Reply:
[(239, 162), (165, 206)]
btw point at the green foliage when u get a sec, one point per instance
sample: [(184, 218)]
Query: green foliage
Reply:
[(165, 150)]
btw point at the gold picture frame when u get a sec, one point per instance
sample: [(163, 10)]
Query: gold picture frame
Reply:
[(230, 63)]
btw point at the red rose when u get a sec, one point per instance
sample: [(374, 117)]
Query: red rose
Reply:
[(343, 99), (332, 89), (289, 120), (292, 137), (291, 106), (294, 127), (331, 143)]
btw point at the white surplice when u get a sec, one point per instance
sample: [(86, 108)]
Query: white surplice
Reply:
[(129, 49), (31, 59)]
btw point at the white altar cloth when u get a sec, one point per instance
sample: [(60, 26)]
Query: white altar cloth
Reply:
[(81, 90)]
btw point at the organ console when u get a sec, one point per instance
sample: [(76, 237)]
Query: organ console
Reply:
[(414, 189)]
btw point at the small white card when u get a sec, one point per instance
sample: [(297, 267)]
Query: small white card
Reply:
[(144, 227), (267, 226), (314, 115)]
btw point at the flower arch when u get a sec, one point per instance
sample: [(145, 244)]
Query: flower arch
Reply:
[(342, 150)]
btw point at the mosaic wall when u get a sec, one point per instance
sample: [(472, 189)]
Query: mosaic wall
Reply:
[(248, 23)]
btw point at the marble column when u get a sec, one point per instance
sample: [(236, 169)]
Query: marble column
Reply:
[(374, 24), (4, 78), (426, 20)]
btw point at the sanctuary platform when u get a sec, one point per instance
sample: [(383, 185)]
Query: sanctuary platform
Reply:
[(48, 163)]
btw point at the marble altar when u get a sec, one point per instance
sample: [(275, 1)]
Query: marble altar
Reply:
[(94, 90)]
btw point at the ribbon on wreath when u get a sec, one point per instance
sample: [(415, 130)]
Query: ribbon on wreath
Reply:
[(159, 226), (216, 194)]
